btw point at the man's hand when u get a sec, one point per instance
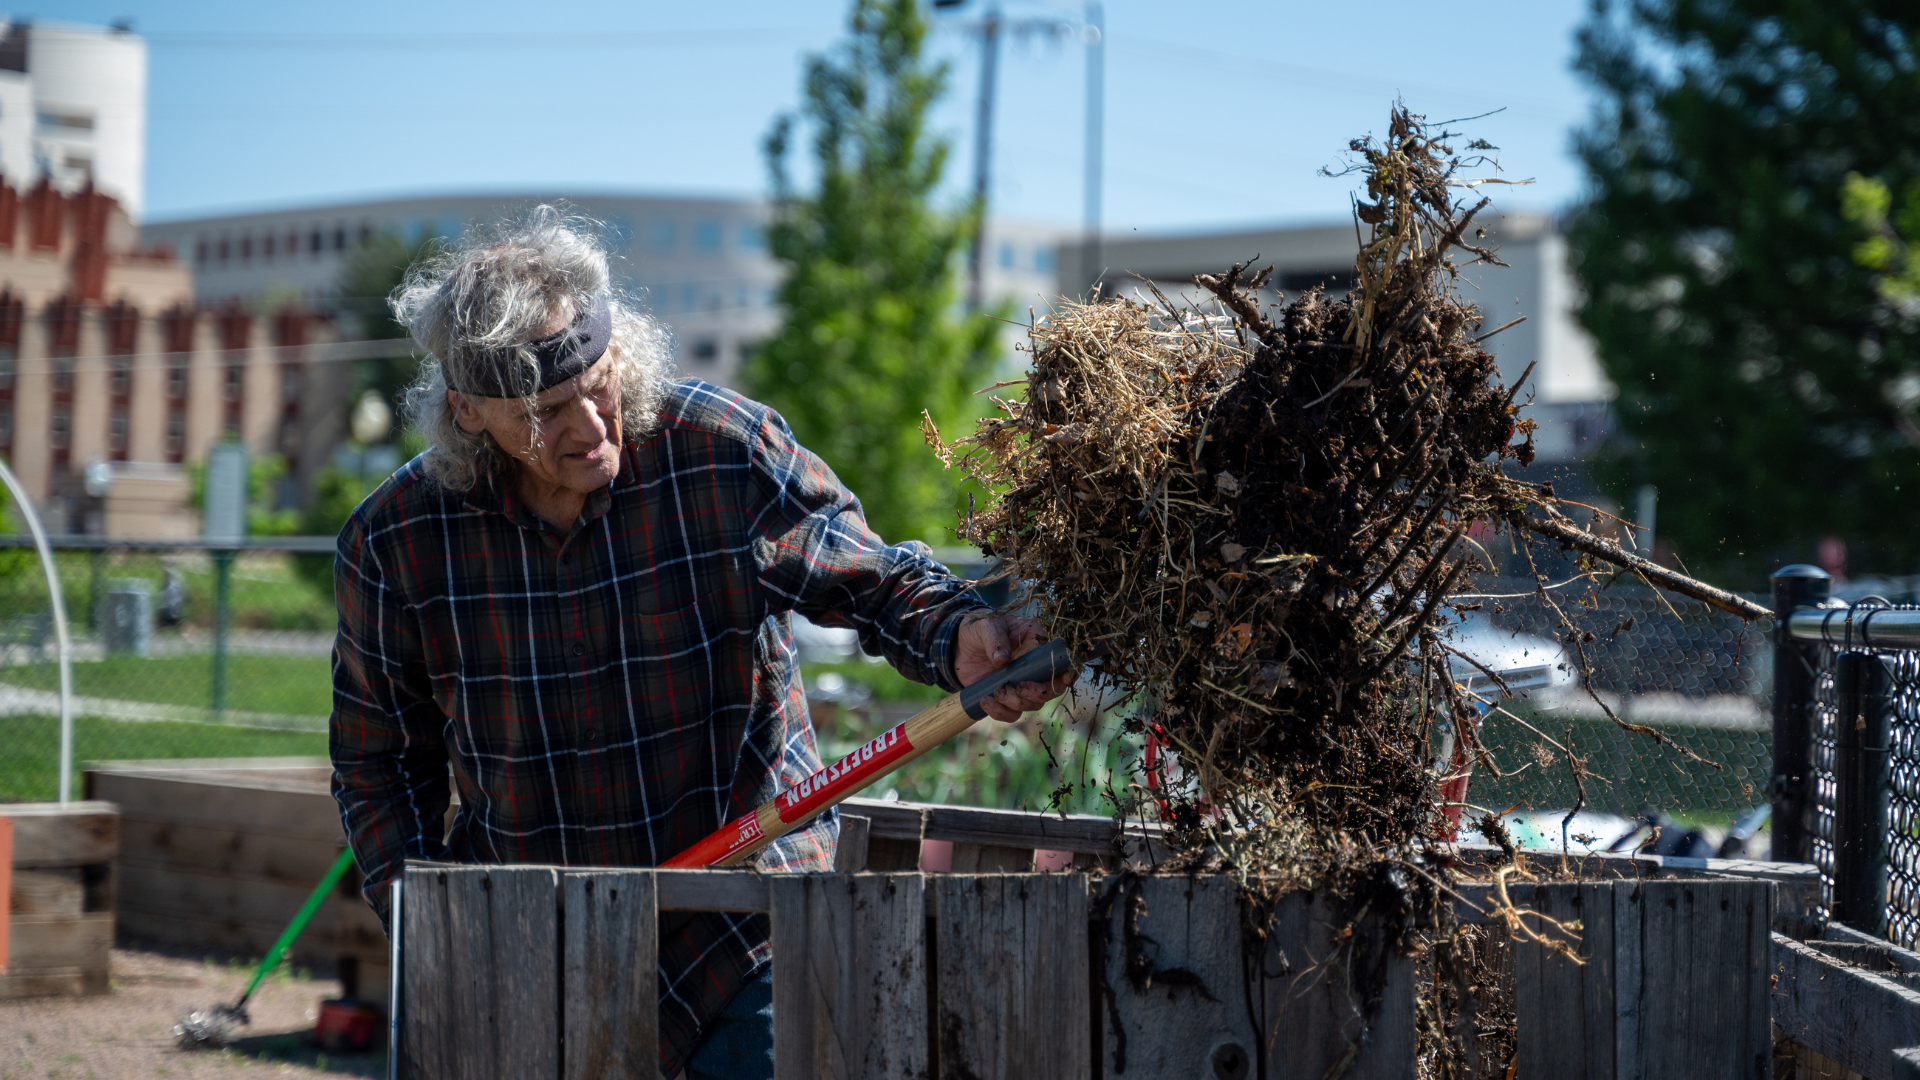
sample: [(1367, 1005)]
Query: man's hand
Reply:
[(987, 643)]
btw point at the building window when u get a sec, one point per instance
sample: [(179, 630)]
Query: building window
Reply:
[(120, 382), (1006, 256), (266, 246), (293, 243), (223, 250), (620, 233), (63, 375), (246, 248), (316, 242), (290, 384), (61, 427), (117, 434), (236, 381), (340, 238), (752, 237), (706, 235), (7, 366), (689, 297), (64, 121), (176, 435), (200, 251), (706, 350), (662, 234), (1043, 259), (177, 379), (6, 426)]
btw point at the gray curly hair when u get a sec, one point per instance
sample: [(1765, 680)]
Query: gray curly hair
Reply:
[(493, 294)]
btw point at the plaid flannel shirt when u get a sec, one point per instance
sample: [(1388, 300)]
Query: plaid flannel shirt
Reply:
[(608, 696)]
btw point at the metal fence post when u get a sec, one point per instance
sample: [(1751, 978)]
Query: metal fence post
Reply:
[(222, 622), (1795, 586), (1864, 692)]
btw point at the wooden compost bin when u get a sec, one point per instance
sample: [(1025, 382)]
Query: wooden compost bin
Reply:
[(60, 899), (219, 854), (512, 971)]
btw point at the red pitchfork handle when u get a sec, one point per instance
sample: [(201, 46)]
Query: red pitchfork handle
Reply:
[(744, 837)]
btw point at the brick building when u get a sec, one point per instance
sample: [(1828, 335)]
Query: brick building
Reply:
[(108, 360)]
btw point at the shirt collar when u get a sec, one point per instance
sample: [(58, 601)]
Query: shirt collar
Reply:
[(494, 495)]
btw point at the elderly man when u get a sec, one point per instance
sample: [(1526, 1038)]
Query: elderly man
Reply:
[(577, 601)]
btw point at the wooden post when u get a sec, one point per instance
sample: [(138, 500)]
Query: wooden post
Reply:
[(1675, 984), (610, 988), (482, 981), (849, 976), (1011, 976), (6, 885)]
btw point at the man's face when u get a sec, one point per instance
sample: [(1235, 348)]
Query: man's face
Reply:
[(578, 423)]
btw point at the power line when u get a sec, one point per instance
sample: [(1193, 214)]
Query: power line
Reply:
[(412, 41)]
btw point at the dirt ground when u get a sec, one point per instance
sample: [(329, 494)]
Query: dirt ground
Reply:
[(129, 1032)]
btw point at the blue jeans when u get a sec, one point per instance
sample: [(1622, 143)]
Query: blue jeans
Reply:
[(739, 1045)]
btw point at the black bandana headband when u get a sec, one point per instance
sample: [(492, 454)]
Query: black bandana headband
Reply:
[(562, 356)]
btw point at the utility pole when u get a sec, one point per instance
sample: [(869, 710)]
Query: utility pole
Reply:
[(983, 150), (991, 27), (1095, 34)]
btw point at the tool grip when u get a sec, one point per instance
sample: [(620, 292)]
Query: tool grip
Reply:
[(1040, 665)]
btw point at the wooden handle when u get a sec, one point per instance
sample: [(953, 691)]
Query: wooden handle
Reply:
[(747, 835)]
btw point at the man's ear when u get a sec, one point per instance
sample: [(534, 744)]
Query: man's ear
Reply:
[(465, 413)]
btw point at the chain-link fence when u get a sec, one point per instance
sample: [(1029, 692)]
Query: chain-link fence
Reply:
[(150, 678), (1698, 677)]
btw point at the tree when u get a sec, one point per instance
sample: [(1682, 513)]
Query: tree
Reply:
[(870, 337), (372, 271), (1766, 384)]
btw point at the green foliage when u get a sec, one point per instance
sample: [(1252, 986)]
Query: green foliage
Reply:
[(870, 338), (371, 273), (1888, 245), (337, 493), (1765, 386)]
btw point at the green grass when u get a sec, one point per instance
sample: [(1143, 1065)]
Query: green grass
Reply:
[(299, 685), (30, 748), (268, 593)]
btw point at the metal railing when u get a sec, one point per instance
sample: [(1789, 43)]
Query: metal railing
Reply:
[(1846, 785)]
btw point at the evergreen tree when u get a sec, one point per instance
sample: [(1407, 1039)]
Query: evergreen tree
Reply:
[(871, 338), (372, 271), (1766, 382)]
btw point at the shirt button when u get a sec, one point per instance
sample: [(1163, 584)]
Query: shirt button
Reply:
[(579, 650)]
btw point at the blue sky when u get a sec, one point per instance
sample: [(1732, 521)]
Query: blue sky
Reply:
[(1218, 113)]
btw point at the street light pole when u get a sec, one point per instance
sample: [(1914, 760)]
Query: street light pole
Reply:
[(1095, 33), (983, 150)]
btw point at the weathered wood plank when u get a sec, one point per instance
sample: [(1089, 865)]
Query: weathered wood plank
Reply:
[(1079, 833), (850, 853), (849, 976), (971, 858), (1858, 1018), (427, 1036), (58, 942), (1012, 976), (1172, 966), (53, 891), (204, 910), (1314, 999), (1564, 1012), (493, 961), (62, 982), (233, 850), (1697, 988), (892, 855), (49, 835), (711, 890), (610, 985), (214, 803)]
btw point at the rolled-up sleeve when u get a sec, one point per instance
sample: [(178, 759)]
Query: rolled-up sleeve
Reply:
[(816, 555), (385, 735)]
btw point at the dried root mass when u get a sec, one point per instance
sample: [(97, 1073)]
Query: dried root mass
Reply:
[(1257, 515)]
